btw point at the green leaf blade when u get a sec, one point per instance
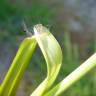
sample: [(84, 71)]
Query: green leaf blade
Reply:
[(18, 67), (52, 54), (73, 77)]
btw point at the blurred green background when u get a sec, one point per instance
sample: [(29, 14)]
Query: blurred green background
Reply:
[(73, 23)]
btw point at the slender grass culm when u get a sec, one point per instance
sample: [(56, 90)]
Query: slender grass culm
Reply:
[(52, 53)]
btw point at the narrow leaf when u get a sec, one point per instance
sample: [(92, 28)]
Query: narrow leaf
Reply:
[(52, 54), (73, 77), (17, 68)]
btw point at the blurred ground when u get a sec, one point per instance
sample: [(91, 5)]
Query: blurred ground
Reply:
[(76, 17)]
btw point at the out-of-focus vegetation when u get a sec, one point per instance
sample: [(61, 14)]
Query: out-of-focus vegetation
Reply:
[(77, 44), (13, 13)]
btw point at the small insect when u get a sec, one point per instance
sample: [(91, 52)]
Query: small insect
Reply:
[(26, 29)]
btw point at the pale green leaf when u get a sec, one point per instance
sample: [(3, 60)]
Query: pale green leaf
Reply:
[(73, 77), (52, 54)]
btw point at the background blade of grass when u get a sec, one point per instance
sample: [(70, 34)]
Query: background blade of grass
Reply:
[(68, 47), (17, 69)]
